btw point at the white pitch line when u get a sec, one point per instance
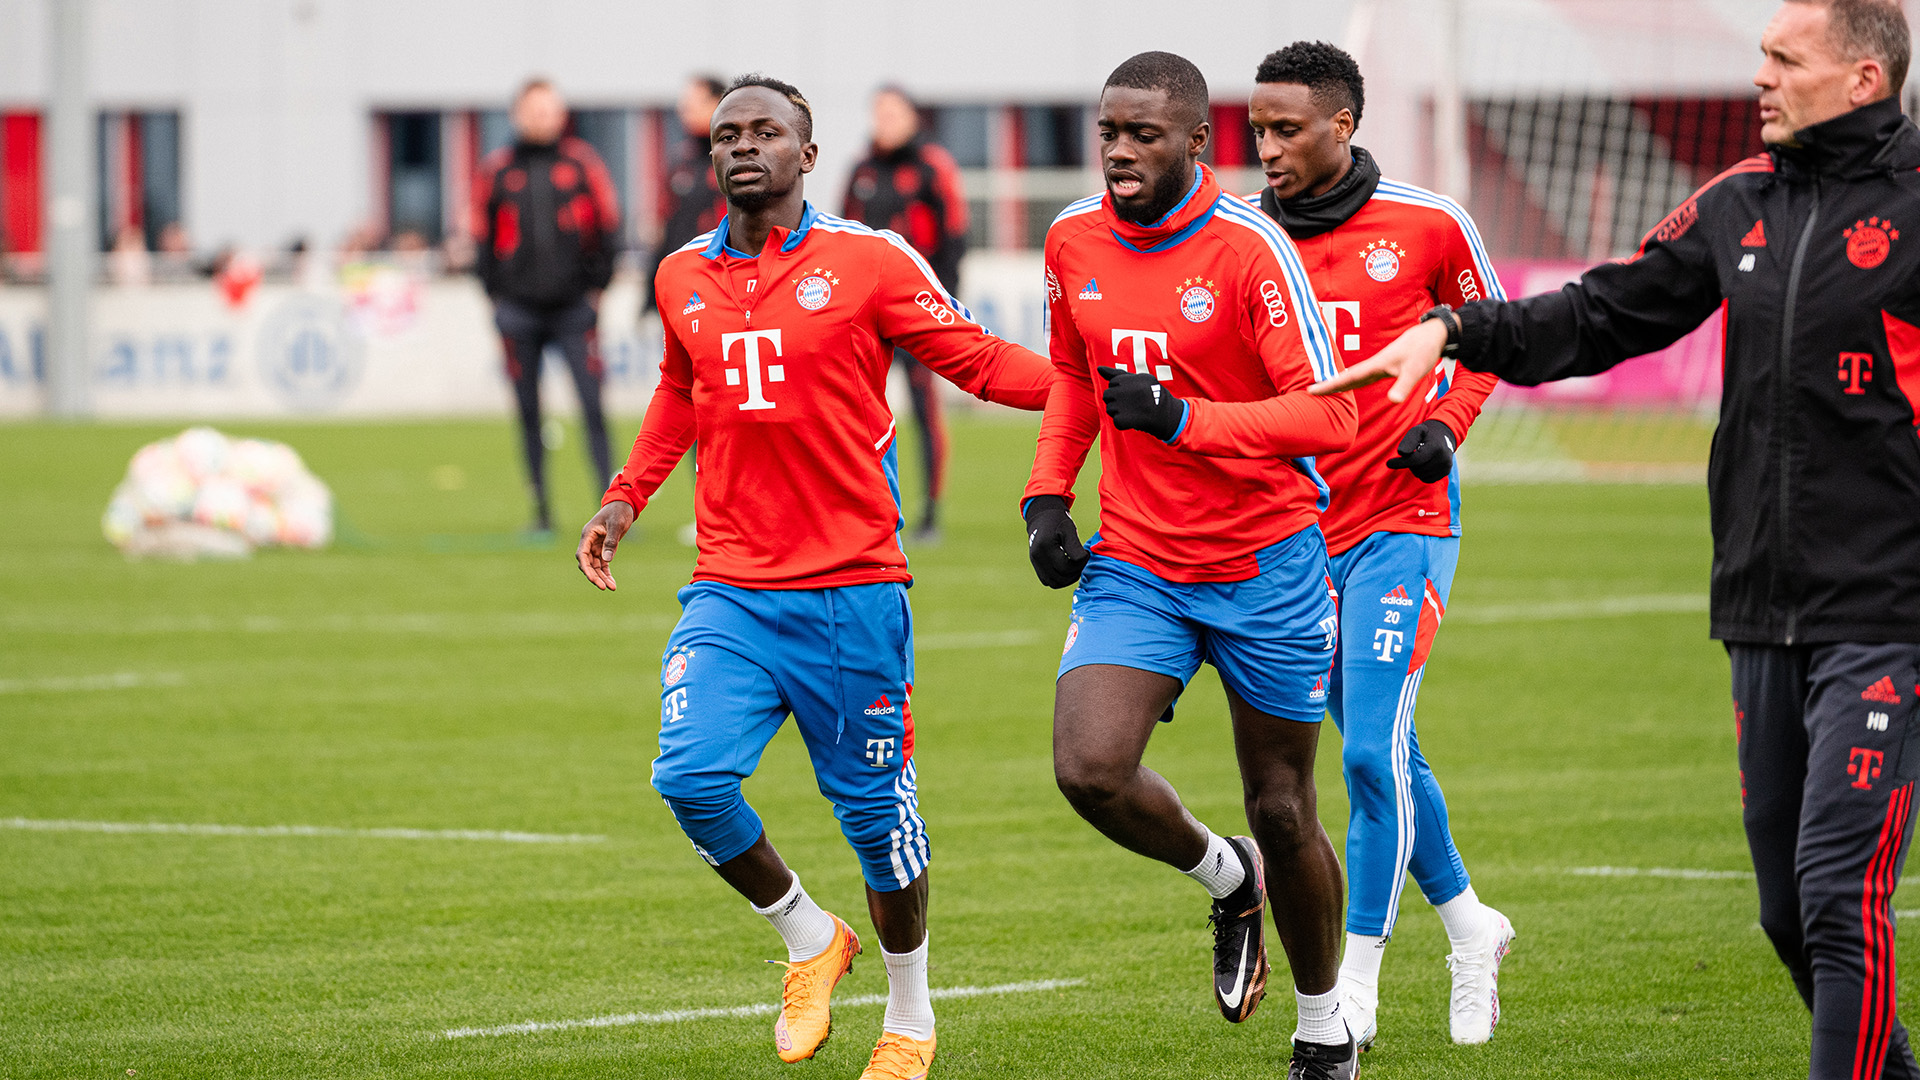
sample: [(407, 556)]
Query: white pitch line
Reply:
[(424, 623), (734, 1012), (1661, 871), (119, 680), (1605, 607), (50, 825)]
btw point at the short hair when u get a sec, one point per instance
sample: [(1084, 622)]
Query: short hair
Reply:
[(786, 90), (714, 85), (1327, 71), (1876, 29), (1185, 87), (537, 82), (898, 91)]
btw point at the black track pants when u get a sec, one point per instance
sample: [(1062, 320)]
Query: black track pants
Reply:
[(525, 332), (924, 388), (1827, 763)]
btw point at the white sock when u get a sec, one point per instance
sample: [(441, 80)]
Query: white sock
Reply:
[(909, 1005), (1320, 1019), (1220, 869), (805, 928), (1360, 967), (1463, 916)]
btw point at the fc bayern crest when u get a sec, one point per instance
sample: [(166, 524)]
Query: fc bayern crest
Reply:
[(1869, 241), (1196, 304), (1196, 299), (676, 666), (1383, 260), (813, 292)]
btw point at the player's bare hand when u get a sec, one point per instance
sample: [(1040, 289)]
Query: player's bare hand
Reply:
[(1406, 360), (599, 539)]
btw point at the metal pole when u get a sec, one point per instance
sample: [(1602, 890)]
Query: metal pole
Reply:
[(71, 254), (1453, 174)]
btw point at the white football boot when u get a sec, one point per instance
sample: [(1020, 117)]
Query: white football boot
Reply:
[(1357, 1008), (1474, 1007)]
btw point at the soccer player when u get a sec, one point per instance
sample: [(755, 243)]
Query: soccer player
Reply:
[(780, 326), (1186, 332), (1814, 482), (1380, 254)]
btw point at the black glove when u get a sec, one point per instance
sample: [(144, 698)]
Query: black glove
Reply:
[(1053, 544), (1137, 402), (1427, 451)]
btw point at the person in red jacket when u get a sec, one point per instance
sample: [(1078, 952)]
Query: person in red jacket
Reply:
[(1185, 330), (780, 327), (912, 186), (546, 225), (1381, 254)]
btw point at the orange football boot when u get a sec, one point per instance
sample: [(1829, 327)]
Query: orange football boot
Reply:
[(899, 1057), (807, 990)]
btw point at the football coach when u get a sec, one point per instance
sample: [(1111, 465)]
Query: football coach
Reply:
[(1814, 481)]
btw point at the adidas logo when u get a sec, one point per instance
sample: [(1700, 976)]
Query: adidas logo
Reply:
[(882, 707), (1756, 236), (1882, 691), (694, 303), (1398, 597), (1090, 291)]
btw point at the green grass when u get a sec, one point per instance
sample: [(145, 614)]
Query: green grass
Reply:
[(436, 673)]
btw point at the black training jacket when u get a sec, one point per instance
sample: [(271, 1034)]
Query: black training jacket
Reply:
[(915, 190), (546, 223), (1814, 478), (694, 205)]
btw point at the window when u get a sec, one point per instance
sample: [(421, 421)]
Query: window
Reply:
[(137, 175), (414, 175), (19, 182)]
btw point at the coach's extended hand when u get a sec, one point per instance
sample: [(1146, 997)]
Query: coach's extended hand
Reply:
[(1138, 402), (1408, 359), (599, 539), (1053, 543)]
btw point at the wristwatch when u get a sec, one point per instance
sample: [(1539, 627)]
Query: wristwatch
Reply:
[(1445, 315)]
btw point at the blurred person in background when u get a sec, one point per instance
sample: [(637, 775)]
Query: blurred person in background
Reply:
[(694, 203), (1813, 481), (912, 186), (129, 263), (546, 225)]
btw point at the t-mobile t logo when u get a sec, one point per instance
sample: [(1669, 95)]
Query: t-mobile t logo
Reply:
[(673, 706), (1388, 642), (750, 341), (1142, 363), (1331, 310), (879, 752)]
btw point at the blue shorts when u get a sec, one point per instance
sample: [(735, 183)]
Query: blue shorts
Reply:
[(840, 661), (1271, 637)]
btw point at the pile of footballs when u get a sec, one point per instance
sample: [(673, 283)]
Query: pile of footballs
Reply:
[(202, 494)]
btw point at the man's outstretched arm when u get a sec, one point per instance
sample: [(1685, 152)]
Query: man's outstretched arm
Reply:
[(1615, 311)]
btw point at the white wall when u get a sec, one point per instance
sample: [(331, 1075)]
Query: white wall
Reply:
[(276, 94)]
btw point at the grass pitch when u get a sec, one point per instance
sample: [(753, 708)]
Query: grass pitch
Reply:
[(432, 672)]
